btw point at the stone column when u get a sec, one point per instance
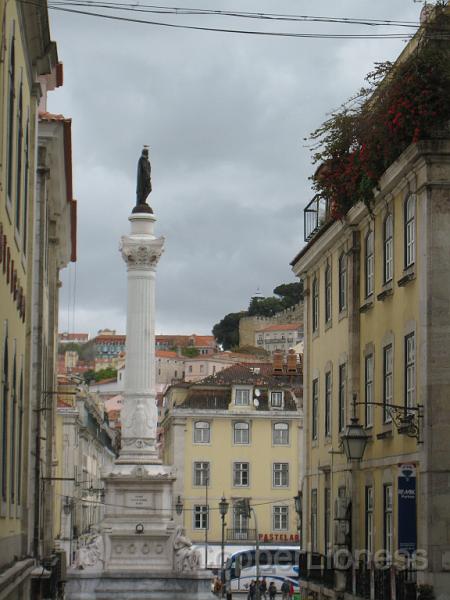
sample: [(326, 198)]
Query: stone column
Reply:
[(141, 251)]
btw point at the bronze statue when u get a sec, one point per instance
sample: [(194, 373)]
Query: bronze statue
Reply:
[(144, 181)]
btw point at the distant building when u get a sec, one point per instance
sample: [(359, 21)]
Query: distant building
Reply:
[(73, 338), (205, 344), (108, 344), (85, 445), (199, 367), (239, 434), (279, 337), (249, 326)]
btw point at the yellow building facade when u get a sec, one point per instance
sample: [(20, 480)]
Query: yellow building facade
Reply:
[(237, 435), (374, 334)]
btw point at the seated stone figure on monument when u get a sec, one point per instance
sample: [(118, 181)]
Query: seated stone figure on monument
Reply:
[(144, 183), (186, 557)]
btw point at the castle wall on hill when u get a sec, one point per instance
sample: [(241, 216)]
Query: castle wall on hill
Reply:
[(248, 326)]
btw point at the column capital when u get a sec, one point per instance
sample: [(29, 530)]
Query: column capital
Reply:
[(141, 253)]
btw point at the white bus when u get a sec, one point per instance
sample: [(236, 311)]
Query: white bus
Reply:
[(276, 563)]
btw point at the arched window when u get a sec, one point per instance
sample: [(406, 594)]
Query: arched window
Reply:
[(4, 391), (369, 263), (280, 434), (315, 304), (241, 433), (410, 230), (342, 282), (328, 293), (202, 432), (388, 233), (10, 138), (19, 159)]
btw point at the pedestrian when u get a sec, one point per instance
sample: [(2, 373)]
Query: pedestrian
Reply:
[(263, 589), (291, 589), (285, 589), (251, 590), (272, 591)]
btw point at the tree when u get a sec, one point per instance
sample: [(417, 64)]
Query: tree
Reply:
[(291, 293), (108, 373), (226, 331), (190, 352), (265, 307)]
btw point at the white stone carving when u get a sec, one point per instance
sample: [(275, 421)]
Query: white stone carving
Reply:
[(185, 557), (90, 553)]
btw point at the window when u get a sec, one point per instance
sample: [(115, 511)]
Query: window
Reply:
[(369, 390), (388, 234), (276, 399), (280, 518), (369, 263), (280, 434), (280, 475), (201, 432), (240, 524), (328, 293), (241, 433), (328, 403), (242, 397), (25, 188), (241, 474), (315, 408), (342, 394), (201, 473), (342, 282), (410, 233), (315, 304), (20, 435), (4, 389), (10, 139), (314, 520), (388, 521), (410, 370), (387, 381), (19, 159), (369, 520), (201, 516), (327, 519), (12, 470)]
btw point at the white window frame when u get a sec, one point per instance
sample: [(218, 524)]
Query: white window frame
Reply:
[(314, 520), (342, 282), (388, 381), (280, 475), (410, 370), (315, 410), (239, 435), (280, 518), (242, 397), (388, 242), (202, 434), (369, 263), (239, 470), (202, 473), (315, 304), (342, 395), (368, 385), (328, 402), (410, 231), (278, 395), (328, 294), (200, 514), (280, 434)]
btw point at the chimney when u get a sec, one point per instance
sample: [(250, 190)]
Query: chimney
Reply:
[(292, 362), (277, 363)]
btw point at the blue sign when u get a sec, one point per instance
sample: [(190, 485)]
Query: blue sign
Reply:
[(407, 509)]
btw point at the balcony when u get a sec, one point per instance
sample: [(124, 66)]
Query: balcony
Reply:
[(316, 215), (234, 535)]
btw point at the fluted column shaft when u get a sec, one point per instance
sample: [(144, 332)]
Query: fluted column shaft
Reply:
[(141, 251)]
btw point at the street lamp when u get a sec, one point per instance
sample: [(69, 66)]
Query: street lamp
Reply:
[(354, 438), (223, 509), (179, 506)]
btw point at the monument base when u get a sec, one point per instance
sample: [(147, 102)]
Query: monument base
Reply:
[(126, 585)]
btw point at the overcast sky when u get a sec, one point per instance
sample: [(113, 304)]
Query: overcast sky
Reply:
[(225, 116)]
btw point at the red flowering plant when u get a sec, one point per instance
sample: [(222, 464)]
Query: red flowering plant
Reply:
[(402, 104)]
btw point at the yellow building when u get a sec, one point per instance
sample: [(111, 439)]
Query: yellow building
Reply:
[(236, 434), (377, 289), (37, 239)]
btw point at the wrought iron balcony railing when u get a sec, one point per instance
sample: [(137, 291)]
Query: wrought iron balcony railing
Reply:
[(241, 534), (316, 215)]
